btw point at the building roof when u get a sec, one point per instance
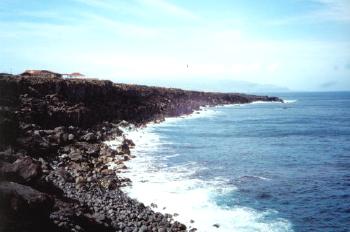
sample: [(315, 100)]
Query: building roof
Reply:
[(76, 74), (40, 73)]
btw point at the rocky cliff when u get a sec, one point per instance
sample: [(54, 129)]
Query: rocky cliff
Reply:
[(53, 165)]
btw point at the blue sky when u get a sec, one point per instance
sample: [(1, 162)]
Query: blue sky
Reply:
[(299, 44)]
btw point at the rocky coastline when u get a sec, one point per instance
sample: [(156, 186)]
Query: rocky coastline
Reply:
[(54, 164)]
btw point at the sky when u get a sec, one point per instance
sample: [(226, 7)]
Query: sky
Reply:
[(303, 45)]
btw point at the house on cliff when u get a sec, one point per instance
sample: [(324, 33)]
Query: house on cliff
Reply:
[(50, 74), (73, 75), (41, 73)]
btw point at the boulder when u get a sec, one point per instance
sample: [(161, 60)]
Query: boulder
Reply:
[(70, 137), (129, 142), (23, 208), (24, 200), (37, 145), (67, 177), (23, 170), (125, 148), (89, 137), (8, 127), (9, 155), (93, 150), (76, 156)]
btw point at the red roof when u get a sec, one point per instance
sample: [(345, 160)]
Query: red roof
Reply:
[(76, 74)]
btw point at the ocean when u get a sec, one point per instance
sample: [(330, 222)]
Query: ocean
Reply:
[(253, 167)]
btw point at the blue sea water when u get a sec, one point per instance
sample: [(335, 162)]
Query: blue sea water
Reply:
[(254, 167)]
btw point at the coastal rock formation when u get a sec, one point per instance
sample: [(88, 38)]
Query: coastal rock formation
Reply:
[(54, 167), (23, 207), (23, 170)]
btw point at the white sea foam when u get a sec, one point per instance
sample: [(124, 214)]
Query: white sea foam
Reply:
[(114, 144), (290, 101), (204, 112), (265, 102), (174, 190), (254, 177), (260, 102)]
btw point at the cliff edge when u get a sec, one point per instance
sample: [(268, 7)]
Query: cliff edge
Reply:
[(53, 162)]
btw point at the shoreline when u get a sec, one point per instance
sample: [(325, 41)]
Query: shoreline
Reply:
[(143, 180), (54, 163), (136, 135)]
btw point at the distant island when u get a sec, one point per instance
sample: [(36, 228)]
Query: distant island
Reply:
[(53, 162), (218, 85)]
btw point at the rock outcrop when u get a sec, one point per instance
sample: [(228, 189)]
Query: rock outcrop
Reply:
[(82, 102), (54, 167)]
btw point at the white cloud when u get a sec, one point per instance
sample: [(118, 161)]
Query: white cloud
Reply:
[(107, 46), (338, 10), (136, 7), (169, 8), (121, 28), (100, 4), (327, 10), (21, 30)]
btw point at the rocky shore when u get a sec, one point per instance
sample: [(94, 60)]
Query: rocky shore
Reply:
[(54, 164)]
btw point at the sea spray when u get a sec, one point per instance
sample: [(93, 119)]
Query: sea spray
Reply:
[(175, 190)]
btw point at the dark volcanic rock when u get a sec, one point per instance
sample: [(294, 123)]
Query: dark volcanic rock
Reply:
[(23, 170), (51, 134), (21, 199), (81, 102), (24, 209), (8, 127), (89, 137)]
